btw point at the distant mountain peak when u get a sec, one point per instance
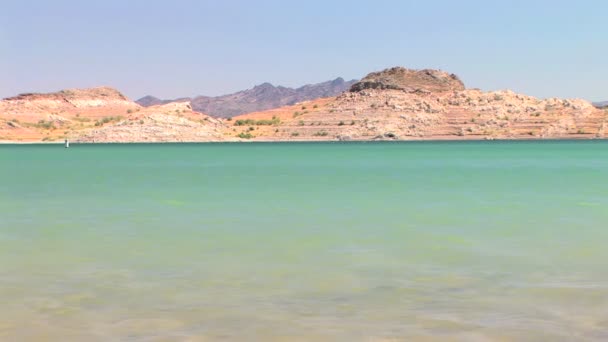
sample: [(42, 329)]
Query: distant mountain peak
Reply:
[(601, 105), (264, 85), (338, 81)]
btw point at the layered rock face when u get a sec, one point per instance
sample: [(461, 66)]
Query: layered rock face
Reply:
[(49, 116), (402, 104), (68, 100), (101, 115), (173, 122)]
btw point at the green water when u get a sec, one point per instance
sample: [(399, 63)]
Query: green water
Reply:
[(359, 241)]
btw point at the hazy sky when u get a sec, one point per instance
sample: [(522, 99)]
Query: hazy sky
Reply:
[(187, 47)]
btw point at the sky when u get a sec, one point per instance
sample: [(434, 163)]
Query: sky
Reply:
[(181, 48)]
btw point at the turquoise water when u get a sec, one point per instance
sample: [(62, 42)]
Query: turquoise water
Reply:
[(354, 241)]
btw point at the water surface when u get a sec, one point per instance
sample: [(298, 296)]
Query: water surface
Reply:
[(327, 241)]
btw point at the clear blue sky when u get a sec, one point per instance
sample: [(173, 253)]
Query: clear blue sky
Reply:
[(188, 47)]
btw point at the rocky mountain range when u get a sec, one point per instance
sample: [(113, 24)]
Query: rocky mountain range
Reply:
[(393, 104), (148, 101), (261, 97)]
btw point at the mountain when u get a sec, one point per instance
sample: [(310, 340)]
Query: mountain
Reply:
[(393, 104), (261, 97), (405, 104), (603, 104), (148, 101)]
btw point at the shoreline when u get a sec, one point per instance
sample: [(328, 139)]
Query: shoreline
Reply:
[(301, 141)]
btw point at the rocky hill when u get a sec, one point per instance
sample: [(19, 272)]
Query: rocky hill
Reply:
[(101, 115), (262, 97), (51, 116), (402, 104)]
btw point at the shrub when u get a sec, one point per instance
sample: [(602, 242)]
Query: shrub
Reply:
[(129, 111), (303, 107), (352, 123), (244, 135), (245, 122), (229, 119), (295, 134), (45, 124), (108, 119), (301, 123), (321, 134), (341, 123), (315, 106)]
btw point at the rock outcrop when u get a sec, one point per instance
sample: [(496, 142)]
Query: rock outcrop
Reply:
[(411, 81)]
